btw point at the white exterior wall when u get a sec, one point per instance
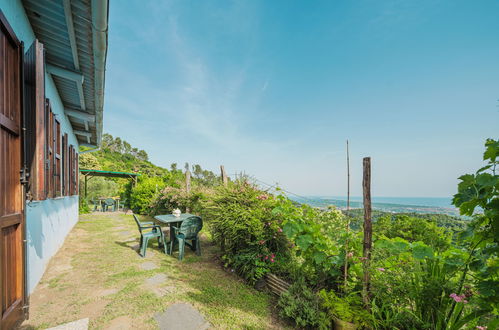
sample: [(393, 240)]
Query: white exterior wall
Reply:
[(47, 222)]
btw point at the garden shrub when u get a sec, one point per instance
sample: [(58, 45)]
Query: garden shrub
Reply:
[(173, 197), (144, 193), (83, 207), (303, 306), (250, 236), (348, 309)]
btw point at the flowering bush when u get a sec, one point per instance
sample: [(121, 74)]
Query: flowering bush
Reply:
[(177, 197), (250, 236)]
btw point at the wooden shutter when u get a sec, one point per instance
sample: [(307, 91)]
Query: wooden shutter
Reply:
[(57, 158), (12, 234), (70, 165), (64, 171), (77, 173), (34, 91), (49, 155)]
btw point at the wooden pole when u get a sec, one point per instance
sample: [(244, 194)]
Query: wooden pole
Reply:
[(188, 181), (348, 179), (224, 175), (187, 185), (345, 270), (368, 231)]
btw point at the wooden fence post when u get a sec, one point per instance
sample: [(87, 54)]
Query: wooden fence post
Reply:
[(224, 175), (187, 185), (188, 181), (368, 231), (345, 270)]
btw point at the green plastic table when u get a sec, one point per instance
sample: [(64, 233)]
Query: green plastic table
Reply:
[(172, 220)]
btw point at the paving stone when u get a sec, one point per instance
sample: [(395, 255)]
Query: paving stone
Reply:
[(148, 265), (163, 291), (156, 280), (75, 325), (107, 292), (181, 316)]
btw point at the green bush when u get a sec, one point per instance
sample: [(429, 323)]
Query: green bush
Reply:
[(144, 193), (348, 309), (303, 306), (413, 229), (83, 207), (241, 221), (173, 197)]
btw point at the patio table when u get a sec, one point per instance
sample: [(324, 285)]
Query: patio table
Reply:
[(172, 220)]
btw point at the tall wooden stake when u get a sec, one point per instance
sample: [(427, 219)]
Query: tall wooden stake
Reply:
[(224, 175), (187, 185), (348, 180), (345, 275), (368, 231)]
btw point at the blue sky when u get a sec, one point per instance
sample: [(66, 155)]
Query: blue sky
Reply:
[(274, 88)]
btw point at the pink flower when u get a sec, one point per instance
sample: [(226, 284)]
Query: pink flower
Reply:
[(363, 258), (262, 197), (481, 327), (279, 230), (458, 298), (349, 254), (271, 260), (266, 257), (273, 255), (381, 269), (261, 242)]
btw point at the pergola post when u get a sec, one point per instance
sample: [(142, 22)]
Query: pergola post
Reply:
[(86, 186)]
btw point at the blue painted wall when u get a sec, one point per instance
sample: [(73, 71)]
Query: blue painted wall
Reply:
[(47, 222)]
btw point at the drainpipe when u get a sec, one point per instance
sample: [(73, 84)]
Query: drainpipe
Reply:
[(100, 15)]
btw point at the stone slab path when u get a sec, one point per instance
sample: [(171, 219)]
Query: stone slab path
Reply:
[(181, 316)]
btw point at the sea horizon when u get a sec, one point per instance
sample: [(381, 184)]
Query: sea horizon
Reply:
[(439, 205)]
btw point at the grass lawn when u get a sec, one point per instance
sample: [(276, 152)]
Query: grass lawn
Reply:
[(98, 274)]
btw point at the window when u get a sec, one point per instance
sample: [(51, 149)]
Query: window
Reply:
[(51, 161), (57, 159)]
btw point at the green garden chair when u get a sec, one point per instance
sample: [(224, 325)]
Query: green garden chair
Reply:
[(148, 230), (109, 203), (188, 231)]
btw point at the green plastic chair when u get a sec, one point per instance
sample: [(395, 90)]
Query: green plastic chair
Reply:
[(148, 230), (188, 231), (108, 203)]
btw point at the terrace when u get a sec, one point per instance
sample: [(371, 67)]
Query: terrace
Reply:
[(98, 275)]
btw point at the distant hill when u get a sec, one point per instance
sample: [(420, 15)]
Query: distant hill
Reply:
[(116, 154)]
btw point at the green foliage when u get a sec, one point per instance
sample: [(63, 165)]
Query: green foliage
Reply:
[(144, 193), (175, 195), (318, 237), (478, 196), (348, 309), (83, 207), (303, 306), (243, 224), (413, 229)]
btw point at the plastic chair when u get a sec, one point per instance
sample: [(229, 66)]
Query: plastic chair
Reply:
[(108, 203), (148, 230), (188, 231)]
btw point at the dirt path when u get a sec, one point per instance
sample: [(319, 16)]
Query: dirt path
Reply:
[(97, 274)]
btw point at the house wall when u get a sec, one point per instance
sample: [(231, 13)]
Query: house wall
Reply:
[(47, 222)]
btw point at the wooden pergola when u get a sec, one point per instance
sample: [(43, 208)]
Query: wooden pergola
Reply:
[(88, 174)]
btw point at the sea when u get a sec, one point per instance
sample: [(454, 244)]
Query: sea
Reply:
[(440, 205)]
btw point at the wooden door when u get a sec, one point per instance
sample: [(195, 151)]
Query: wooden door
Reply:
[(12, 289)]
